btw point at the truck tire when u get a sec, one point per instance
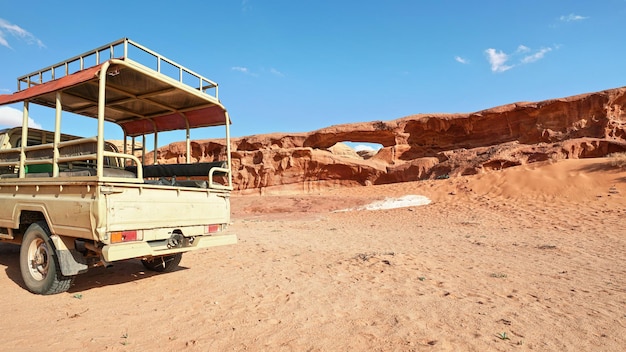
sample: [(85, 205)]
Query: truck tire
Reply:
[(163, 264), (39, 264)]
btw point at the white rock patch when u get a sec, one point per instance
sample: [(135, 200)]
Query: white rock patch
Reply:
[(392, 203)]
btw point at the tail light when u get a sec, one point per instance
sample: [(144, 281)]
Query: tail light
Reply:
[(212, 228), (125, 236)]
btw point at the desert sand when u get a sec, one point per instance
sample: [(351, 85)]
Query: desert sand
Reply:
[(527, 258)]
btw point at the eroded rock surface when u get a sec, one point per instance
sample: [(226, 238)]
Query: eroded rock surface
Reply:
[(423, 146)]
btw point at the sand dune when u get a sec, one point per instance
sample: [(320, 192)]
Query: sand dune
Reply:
[(528, 258)]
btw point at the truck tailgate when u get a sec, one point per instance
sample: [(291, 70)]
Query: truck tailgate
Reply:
[(151, 207)]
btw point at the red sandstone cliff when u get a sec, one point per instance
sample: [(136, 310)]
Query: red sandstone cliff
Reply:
[(423, 146)]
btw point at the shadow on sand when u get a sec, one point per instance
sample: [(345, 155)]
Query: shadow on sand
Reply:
[(605, 167), (120, 273)]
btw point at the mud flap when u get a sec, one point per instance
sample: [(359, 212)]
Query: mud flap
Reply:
[(71, 261)]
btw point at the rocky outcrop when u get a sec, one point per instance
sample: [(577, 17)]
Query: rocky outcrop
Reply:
[(423, 146)]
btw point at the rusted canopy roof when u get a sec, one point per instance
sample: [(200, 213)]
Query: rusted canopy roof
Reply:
[(139, 100)]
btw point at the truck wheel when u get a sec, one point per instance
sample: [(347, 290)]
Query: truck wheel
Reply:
[(39, 264), (163, 264)]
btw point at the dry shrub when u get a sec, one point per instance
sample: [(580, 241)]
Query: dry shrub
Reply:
[(618, 159)]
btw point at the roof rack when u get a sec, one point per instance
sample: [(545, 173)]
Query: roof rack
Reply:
[(121, 49)]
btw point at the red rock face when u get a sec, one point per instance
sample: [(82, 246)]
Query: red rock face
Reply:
[(422, 146)]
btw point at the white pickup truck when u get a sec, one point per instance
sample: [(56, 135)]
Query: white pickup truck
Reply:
[(73, 203)]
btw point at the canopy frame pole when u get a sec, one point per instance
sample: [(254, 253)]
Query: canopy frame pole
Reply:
[(24, 140), (187, 143), (101, 111), (228, 157), (57, 136)]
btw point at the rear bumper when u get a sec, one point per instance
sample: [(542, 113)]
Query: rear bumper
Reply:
[(120, 251)]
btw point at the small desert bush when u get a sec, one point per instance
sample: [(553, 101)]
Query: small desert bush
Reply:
[(618, 159)]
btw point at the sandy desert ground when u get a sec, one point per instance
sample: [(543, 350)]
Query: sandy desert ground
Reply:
[(528, 258)]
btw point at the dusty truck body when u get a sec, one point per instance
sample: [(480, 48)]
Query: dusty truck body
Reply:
[(74, 203)]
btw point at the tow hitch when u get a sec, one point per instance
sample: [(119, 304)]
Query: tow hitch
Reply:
[(178, 241)]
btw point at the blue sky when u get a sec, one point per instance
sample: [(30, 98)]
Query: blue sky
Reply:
[(297, 66)]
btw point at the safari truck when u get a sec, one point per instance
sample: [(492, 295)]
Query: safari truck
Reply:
[(74, 203)]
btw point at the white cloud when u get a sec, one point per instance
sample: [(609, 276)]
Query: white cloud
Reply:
[(536, 56), (362, 147), (244, 70), (7, 28), (247, 71), (276, 72), (497, 60), (240, 69), (3, 41), (572, 17), (461, 60), (11, 117)]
